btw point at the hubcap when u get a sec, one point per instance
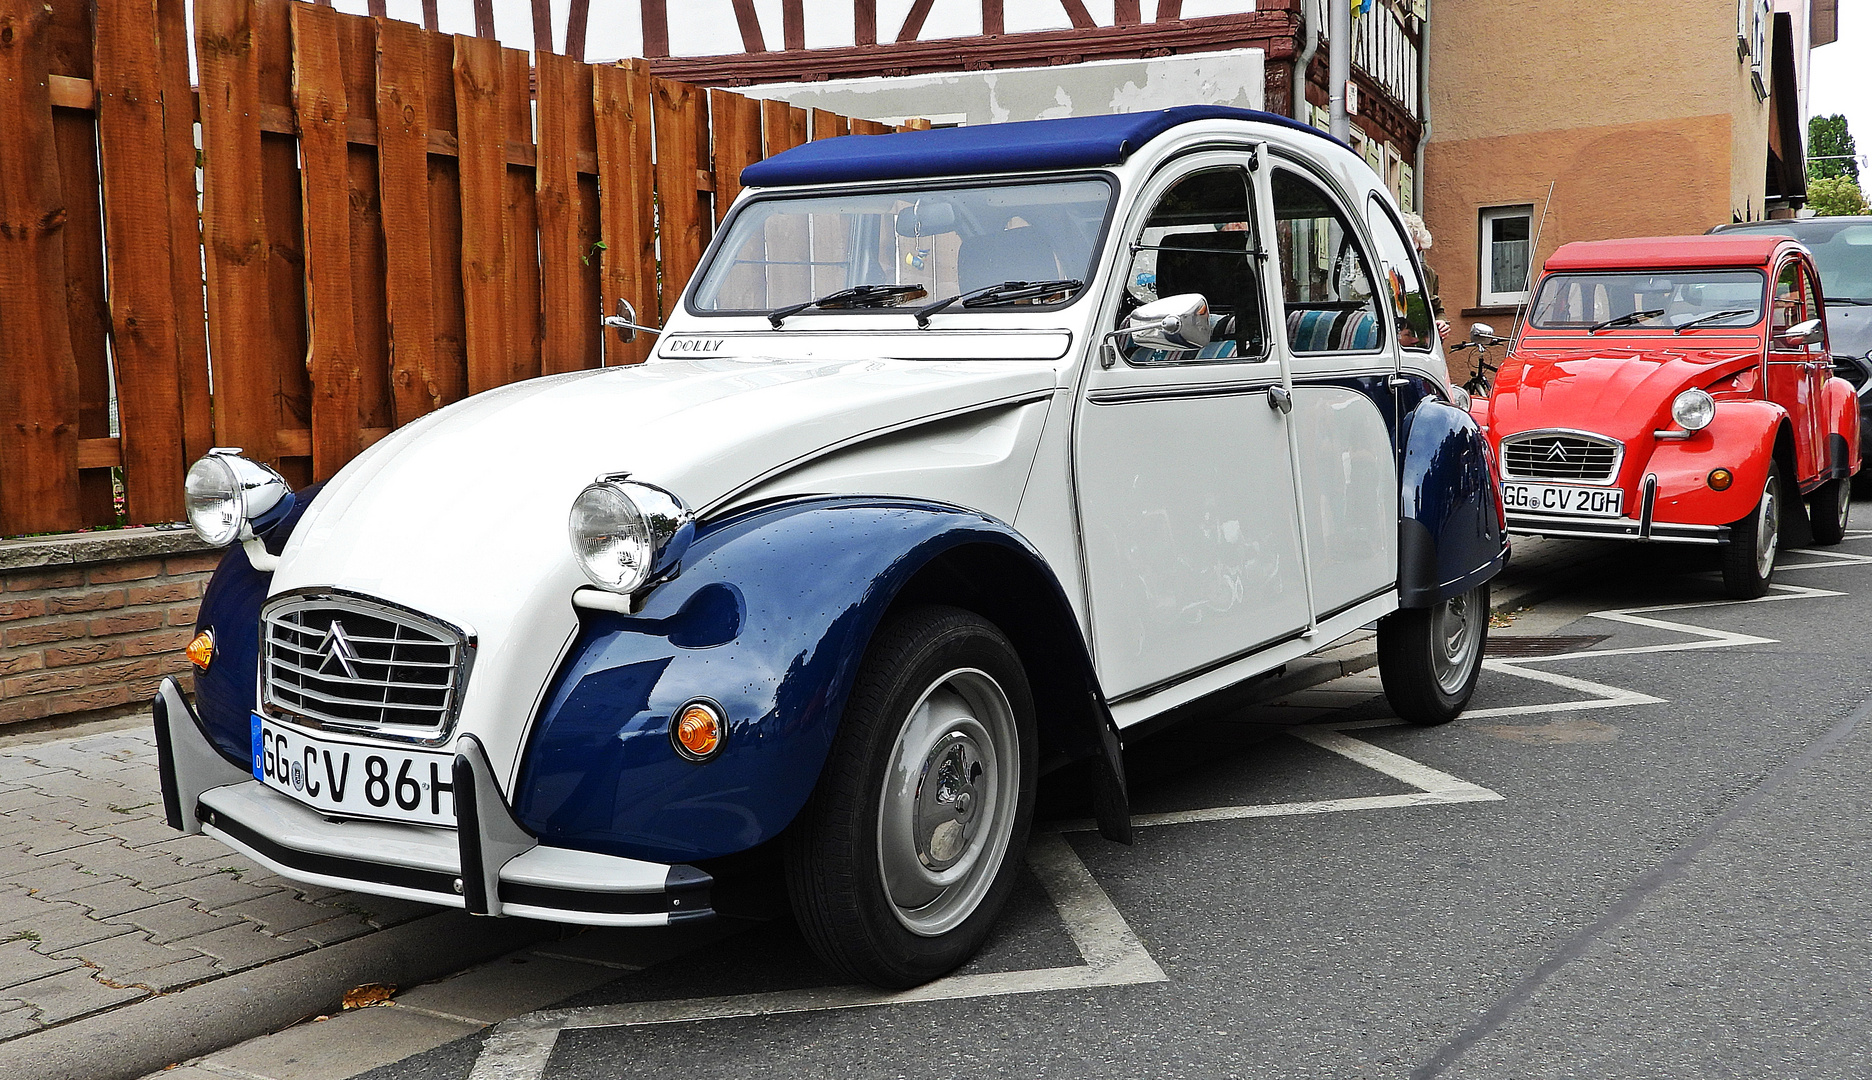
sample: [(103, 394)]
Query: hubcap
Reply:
[(1767, 530), (948, 804), (1457, 626)]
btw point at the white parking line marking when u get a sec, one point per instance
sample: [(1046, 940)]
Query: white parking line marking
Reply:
[(1114, 956)]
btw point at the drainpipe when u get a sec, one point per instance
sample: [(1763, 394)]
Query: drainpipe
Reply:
[(1303, 63), (1423, 109), (1339, 65)]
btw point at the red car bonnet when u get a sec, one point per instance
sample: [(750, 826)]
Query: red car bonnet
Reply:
[(1621, 391)]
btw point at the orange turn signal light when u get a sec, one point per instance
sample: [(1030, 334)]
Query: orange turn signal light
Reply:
[(698, 730), (1720, 479), (201, 651)]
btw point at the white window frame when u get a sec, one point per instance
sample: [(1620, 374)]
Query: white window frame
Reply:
[(1488, 295)]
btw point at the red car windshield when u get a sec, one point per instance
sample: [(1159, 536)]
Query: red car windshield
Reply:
[(1650, 300)]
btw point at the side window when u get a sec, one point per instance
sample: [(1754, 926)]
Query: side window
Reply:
[(1330, 298), (1790, 303), (1404, 292), (1816, 307), (1197, 240)]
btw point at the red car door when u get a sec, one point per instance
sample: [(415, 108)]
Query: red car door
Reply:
[(1819, 370), (1790, 369)]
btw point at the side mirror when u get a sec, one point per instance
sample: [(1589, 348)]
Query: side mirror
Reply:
[(1801, 335), (1175, 323), (1481, 332), (625, 322)]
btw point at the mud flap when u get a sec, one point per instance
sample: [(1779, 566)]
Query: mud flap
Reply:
[(1111, 800)]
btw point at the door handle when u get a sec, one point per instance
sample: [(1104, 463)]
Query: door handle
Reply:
[(1280, 400)]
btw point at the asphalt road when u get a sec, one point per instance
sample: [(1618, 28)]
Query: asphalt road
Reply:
[(1667, 877)]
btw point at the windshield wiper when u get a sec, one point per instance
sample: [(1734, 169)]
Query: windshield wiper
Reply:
[(1625, 320), (1732, 312), (856, 296), (1856, 300), (1007, 292)]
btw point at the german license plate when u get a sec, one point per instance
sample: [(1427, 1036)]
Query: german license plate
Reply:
[(1559, 499), (354, 779)]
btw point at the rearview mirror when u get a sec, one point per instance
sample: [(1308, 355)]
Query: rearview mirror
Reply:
[(1481, 332), (625, 322), (1801, 334), (1176, 323)]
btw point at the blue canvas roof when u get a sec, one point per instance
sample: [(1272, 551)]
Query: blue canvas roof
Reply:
[(1076, 142)]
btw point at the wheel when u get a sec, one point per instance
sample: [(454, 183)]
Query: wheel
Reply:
[(1430, 658), (912, 841), (1828, 510), (1748, 558)]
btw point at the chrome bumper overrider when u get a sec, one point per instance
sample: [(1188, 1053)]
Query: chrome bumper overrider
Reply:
[(488, 866)]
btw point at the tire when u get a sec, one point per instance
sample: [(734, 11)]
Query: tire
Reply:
[(1828, 510), (885, 887), (1749, 556), (1429, 658)]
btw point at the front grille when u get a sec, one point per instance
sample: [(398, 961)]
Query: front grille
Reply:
[(1560, 457), (349, 663)]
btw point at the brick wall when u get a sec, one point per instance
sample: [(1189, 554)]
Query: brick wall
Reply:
[(92, 622)]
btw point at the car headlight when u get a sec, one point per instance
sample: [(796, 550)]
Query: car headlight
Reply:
[(230, 498), (1693, 410), (627, 534), (1460, 398)]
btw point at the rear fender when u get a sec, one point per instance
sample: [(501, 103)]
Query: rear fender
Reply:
[(1842, 412), (770, 619), (1450, 525)]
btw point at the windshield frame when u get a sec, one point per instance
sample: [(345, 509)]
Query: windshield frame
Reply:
[(1750, 328), (1094, 261)]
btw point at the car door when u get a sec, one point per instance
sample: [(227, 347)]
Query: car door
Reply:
[(1339, 334), (1792, 381), (1183, 471)]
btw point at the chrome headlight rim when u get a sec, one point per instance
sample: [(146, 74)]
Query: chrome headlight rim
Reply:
[(626, 534), (229, 498), (1693, 410)]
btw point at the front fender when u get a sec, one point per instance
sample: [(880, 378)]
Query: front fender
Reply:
[(1450, 526), (769, 619), (230, 610), (1741, 439)]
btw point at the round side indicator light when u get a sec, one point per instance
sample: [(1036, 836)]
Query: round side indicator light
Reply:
[(201, 650), (699, 730), (1720, 479)]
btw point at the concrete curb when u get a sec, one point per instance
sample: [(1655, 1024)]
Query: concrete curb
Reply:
[(143, 1037)]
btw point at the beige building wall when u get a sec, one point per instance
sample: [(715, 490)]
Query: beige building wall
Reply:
[(1640, 115)]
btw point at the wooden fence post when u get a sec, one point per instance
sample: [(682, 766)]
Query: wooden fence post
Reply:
[(38, 372), (185, 237), (234, 241), (737, 144), (621, 102), (681, 159), (482, 138), (564, 91), (416, 387), (320, 100)]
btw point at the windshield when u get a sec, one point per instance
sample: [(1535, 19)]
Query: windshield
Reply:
[(1842, 252), (1650, 300), (785, 251)]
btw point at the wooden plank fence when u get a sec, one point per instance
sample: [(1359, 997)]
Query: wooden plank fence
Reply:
[(349, 223)]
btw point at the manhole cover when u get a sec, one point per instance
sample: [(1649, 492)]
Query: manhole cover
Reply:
[(1541, 645)]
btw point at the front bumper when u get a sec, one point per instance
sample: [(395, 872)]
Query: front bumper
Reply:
[(489, 865), (1622, 528)]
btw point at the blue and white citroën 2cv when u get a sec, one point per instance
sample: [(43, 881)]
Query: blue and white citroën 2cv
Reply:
[(969, 451)]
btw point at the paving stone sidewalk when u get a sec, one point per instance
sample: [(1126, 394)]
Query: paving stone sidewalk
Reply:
[(102, 904)]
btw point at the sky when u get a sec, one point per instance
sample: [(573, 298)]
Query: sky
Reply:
[(1842, 78)]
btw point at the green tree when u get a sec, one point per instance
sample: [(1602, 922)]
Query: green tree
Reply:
[(1834, 196), (1828, 138)]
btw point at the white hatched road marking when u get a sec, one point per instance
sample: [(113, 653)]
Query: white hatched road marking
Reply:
[(520, 1048)]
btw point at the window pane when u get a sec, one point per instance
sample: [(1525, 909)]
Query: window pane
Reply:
[(1410, 303), (1331, 302), (1197, 240), (1508, 254), (1578, 300), (789, 250)]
